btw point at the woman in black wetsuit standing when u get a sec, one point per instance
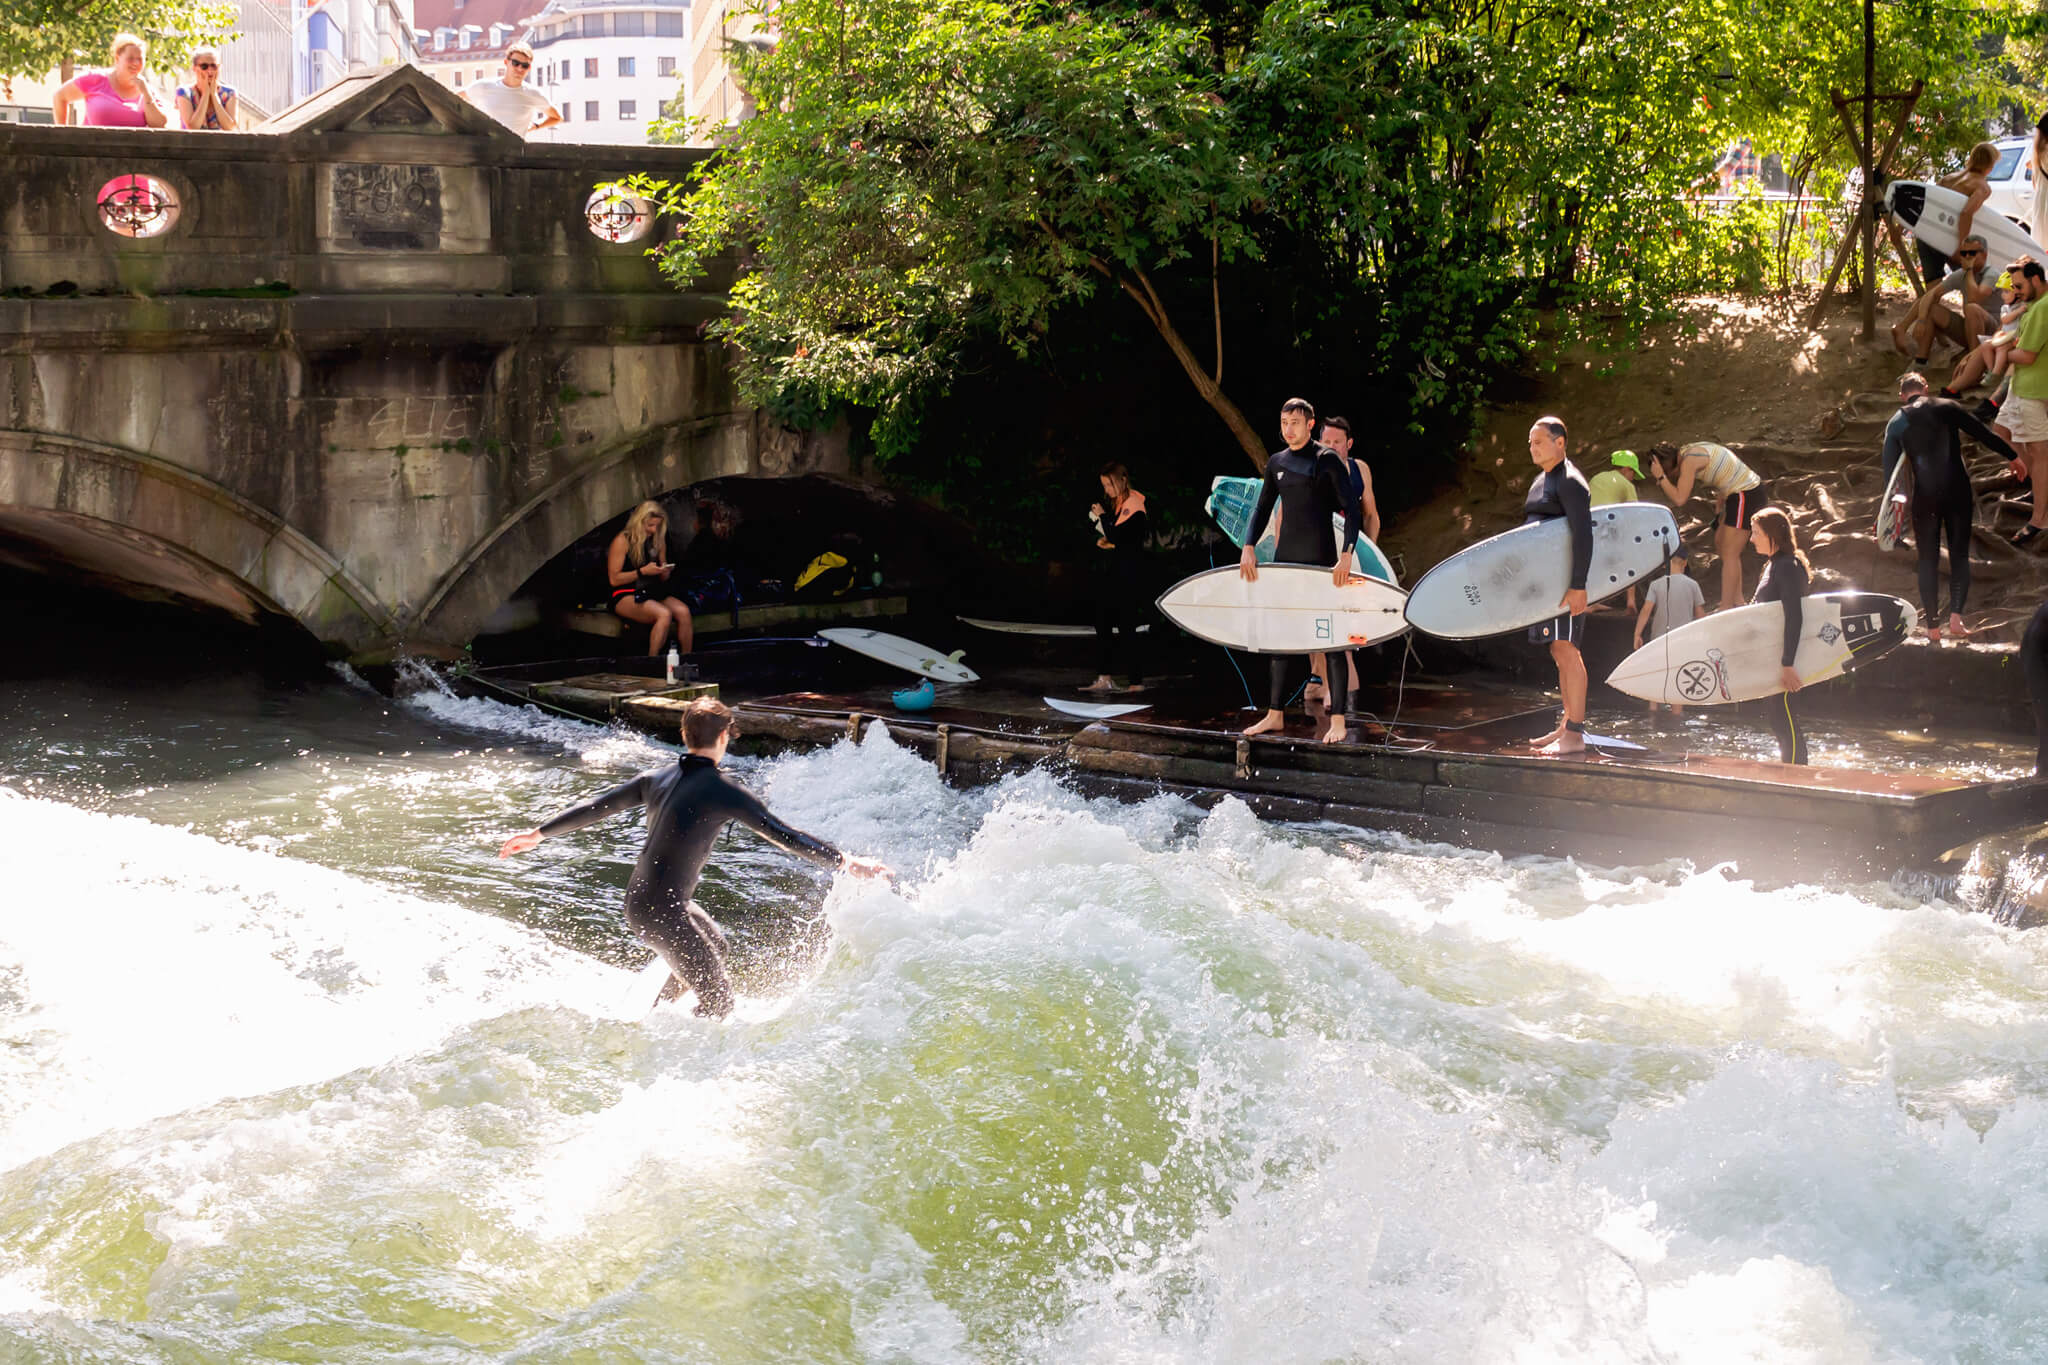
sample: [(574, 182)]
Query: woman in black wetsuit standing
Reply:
[(1785, 579), (1309, 485), (1123, 529), (1926, 431)]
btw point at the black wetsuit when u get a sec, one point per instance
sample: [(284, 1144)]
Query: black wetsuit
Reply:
[(1120, 599), (1309, 486), (1928, 431), (2034, 666), (1785, 580), (688, 806), (1561, 491)]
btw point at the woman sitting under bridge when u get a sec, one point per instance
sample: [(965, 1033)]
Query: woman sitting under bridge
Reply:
[(638, 569)]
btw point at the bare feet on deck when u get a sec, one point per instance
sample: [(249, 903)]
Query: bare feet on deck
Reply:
[(1104, 683), (1335, 734), (1957, 628), (1566, 743), (1271, 721), (1545, 741)]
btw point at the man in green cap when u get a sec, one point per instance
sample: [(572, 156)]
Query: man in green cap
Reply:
[(1617, 483)]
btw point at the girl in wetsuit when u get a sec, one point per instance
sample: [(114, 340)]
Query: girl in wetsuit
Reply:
[(1120, 591), (1785, 579), (1733, 485), (638, 569)]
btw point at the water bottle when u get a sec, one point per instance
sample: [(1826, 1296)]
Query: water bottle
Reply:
[(675, 660)]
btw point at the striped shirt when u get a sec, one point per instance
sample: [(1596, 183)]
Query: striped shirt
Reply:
[(1723, 473)]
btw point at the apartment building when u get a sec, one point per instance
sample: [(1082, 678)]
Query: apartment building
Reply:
[(610, 66), (716, 26)]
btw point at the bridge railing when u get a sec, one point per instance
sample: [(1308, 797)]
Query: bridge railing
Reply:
[(385, 183)]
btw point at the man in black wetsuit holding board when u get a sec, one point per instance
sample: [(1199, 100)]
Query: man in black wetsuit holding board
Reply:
[(688, 807), (1927, 430), (1560, 491), (1309, 485)]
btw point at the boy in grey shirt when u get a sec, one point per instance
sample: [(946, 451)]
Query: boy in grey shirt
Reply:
[(1669, 603)]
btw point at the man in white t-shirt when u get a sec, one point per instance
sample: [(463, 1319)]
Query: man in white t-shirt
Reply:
[(508, 100), (1668, 603)]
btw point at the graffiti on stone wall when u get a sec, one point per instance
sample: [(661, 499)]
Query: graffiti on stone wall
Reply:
[(421, 421), (395, 208)]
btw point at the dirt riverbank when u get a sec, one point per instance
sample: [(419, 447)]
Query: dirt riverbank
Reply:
[(1806, 409)]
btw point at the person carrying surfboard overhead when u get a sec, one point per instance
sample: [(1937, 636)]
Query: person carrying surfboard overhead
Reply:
[(1733, 485), (1975, 189), (1928, 431), (1307, 483), (688, 807), (1560, 490), (1785, 579)]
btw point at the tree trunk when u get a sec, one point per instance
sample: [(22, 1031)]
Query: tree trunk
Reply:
[(1212, 393)]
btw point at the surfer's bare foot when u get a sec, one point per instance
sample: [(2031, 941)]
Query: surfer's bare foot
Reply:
[(1135, 687), (1271, 721), (1545, 741), (1105, 683), (1566, 744), (1335, 734), (1934, 634), (1957, 628)]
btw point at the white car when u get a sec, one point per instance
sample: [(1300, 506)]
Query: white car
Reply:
[(2012, 180)]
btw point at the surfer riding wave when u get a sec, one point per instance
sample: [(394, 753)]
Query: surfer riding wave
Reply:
[(688, 807)]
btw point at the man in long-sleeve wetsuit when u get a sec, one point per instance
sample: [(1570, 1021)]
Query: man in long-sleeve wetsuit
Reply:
[(1560, 490), (1927, 431), (1308, 484), (688, 807)]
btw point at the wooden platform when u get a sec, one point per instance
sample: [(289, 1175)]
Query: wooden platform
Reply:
[(764, 616), (1455, 768)]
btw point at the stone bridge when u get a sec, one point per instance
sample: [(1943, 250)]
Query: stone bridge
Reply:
[(367, 367)]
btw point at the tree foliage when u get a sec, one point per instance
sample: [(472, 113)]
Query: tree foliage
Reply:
[(1416, 184), (39, 36)]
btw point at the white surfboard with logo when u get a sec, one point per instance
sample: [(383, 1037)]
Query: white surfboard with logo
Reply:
[(1290, 609), (1738, 655)]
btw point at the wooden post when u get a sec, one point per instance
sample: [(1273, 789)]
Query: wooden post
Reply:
[(1864, 230), (1869, 171)]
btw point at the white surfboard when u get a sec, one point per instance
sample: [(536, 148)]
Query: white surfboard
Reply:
[(1233, 501), (1933, 214), (1291, 609), (1737, 655), (1095, 710), (1516, 579), (906, 654), (1047, 628), (643, 993), (1895, 508)]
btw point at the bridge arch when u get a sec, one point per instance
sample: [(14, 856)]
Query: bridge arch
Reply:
[(641, 466), (110, 510)]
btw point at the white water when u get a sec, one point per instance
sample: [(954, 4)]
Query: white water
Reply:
[(1095, 1082)]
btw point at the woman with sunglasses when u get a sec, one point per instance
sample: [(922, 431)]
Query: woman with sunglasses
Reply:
[(508, 100), (206, 106)]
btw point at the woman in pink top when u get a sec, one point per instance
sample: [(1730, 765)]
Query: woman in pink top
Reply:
[(115, 98)]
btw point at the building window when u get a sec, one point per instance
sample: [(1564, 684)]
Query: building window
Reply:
[(668, 25), (590, 66), (594, 25), (626, 67), (629, 25), (629, 109), (590, 111), (565, 68), (477, 74), (567, 109), (458, 80), (664, 66)]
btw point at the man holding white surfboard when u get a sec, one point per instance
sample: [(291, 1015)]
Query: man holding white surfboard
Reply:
[(1307, 483), (1560, 490)]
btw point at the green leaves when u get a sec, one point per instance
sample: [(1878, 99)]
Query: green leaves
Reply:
[(38, 36)]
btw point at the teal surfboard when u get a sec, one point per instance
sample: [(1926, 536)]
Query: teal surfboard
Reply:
[(1232, 502)]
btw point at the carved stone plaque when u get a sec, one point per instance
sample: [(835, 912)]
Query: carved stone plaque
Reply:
[(396, 208)]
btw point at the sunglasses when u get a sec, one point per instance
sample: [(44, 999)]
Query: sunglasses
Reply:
[(1969, 255), (206, 66), (523, 66)]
